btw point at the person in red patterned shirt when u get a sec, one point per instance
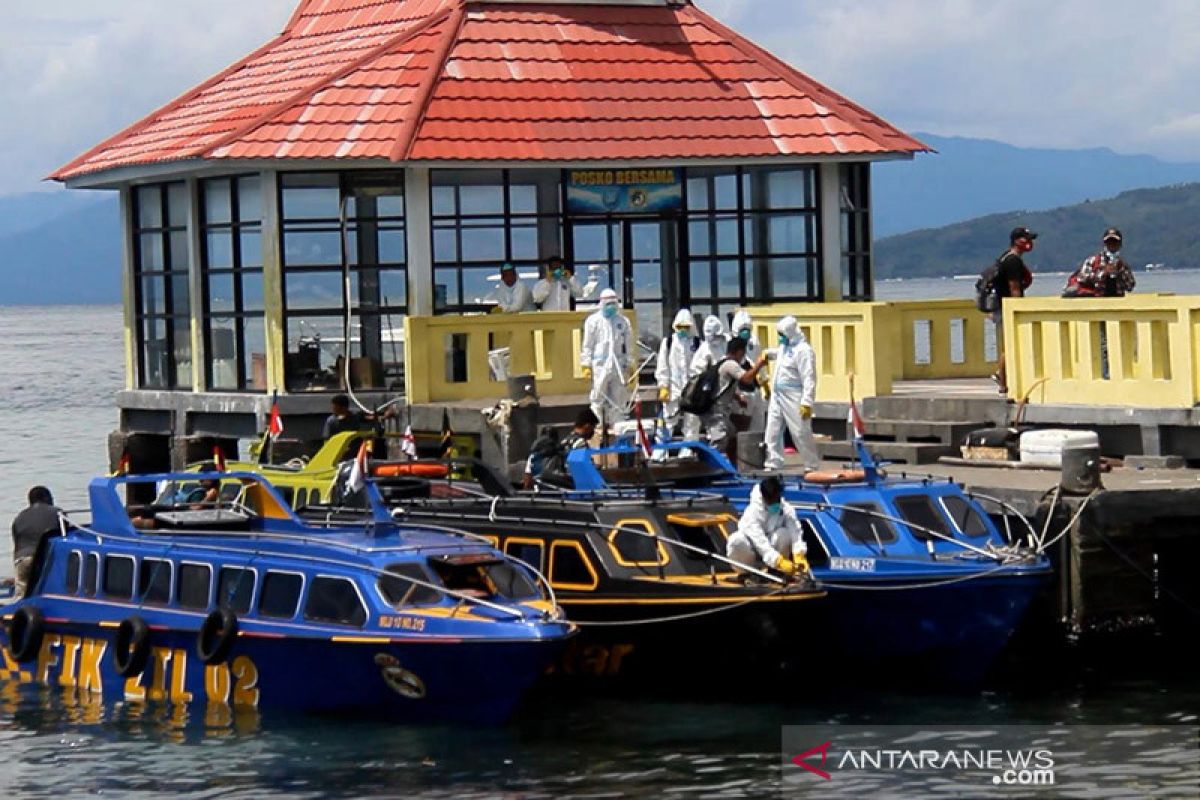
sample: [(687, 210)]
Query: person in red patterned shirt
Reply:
[(1106, 274)]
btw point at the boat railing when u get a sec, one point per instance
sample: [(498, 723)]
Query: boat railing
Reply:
[(255, 553)]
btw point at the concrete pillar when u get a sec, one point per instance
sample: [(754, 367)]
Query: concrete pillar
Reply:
[(829, 187), (1152, 444), (419, 227), (272, 259), (129, 290), (196, 284), (549, 198)]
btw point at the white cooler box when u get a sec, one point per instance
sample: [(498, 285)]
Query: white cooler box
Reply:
[(1045, 448)]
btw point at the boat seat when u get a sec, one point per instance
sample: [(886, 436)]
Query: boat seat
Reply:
[(207, 519)]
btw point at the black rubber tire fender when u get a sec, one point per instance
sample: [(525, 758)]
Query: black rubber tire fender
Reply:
[(26, 630), (216, 636), (131, 647)]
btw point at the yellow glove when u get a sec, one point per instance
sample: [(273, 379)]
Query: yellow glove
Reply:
[(805, 412), (801, 561), (785, 566), (587, 373), (496, 310), (664, 393)]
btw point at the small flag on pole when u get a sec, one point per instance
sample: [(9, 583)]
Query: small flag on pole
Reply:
[(643, 440), (275, 426), (358, 473), (218, 458), (124, 462), (447, 435), (856, 420), (408, 445)]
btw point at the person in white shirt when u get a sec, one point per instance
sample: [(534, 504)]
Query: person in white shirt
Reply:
[(559, 288), (512, 295), (606, 358)]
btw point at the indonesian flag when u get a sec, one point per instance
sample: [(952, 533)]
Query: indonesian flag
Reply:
[(855, 419), (218, 458), (358, 472), (408, 445), (275, 426), (123, 465), (643, 439)]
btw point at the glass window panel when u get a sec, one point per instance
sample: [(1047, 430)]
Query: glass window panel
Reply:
[(72, 577), (280, 595), (218, 202), (728, 279), (154, 352), (306, 290), (194, 580), (479, 200), (727, 236), (525, 243), (311, 197), (91, 569), (701, 278), (393, 287), (390, 205), (789, 234), (249, 199), (445, 245), (251, 244), (149, 206), (789, 277), (392, 246), (154, 581), (483, 244), (179, 250), (334, 600), (220, 293), (726, 191), (179, 294), (235, 588), (445, 290), (150, 252), (314, 345), (398, 587), (308, 247), (255, 376), (177, 204), (592, 243), (183, 352), (789, 188), (153, 295), (444, 201), (700, 242), (218, 249), (252, 291), (222, 354), (118, 577), (522, 199), (697, 194), (478, 284)]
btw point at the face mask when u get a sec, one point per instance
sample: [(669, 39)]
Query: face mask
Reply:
[(558, 274), (610, 311), (783, 340), (744, 335), (683, 335), (775, 508), (1024, 245)]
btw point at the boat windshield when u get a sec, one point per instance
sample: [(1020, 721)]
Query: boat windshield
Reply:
[(484, 576)]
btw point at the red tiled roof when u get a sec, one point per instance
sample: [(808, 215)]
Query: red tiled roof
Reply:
[(449, 80)]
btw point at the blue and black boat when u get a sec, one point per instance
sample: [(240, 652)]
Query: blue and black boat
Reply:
[(916, 569), (238, 603)]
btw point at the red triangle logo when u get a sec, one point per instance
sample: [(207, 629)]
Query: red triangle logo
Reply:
[(802, 760)]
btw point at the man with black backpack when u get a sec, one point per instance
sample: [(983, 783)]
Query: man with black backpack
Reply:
[(1011, 278), (547, 457), (735, 377)]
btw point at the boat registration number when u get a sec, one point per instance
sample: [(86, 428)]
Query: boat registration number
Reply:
[(852, 564)]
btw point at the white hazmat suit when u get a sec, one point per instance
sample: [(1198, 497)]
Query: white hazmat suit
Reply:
[(763, 538), (674, 363), (515, 299), (608, 354), (793, 391), (556, 294), (711, 351)]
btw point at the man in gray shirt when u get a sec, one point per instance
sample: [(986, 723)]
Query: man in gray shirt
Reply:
[(737, 377), (28, 530)]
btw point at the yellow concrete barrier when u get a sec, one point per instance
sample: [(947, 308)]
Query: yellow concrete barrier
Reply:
[(446, 357), (1138, 351), (942, 339)]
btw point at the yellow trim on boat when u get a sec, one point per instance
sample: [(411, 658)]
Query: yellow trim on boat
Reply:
[(663, 557), (678, 601), (587, 562)]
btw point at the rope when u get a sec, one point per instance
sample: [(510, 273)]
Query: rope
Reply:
[(708, 612), (1067, 528), (1049, 516)]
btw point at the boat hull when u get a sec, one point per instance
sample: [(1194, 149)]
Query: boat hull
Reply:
[(417, 680)]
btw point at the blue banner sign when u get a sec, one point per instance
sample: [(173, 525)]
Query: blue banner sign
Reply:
[(624, 191)]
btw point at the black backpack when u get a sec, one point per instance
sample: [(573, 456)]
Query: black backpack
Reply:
[(702, 391), (987, 299)]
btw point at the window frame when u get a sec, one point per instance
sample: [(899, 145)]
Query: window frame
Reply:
[(358, 592), (92, 560), (179, 585), (539, 543), (877, 510), (300, 595), (398, 606), (166, 274), (909, 522), (587, 562), (141, 593), (252, 603), (981, 516), (133, 576), (78, 556), (664, 557)]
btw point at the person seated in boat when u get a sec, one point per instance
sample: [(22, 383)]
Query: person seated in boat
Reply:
[(34, 523), (738, 377), (341, 419), (548, 455), (769, 533)]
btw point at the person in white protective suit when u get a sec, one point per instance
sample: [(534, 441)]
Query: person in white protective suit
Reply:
[(674, 363), (769, 533), (511, 296), (743, 328), (559, 287), (756, 401), (606, 358), (711, 351), (793, 390)]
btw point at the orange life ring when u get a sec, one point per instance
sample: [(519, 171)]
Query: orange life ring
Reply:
[(845, 476), (416, 470)]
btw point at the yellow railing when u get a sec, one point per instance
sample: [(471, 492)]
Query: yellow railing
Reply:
[(1140, 351), (942, 339), (447, 358)]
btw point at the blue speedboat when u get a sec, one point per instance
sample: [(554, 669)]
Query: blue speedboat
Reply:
[(238, 603), (916, 569)]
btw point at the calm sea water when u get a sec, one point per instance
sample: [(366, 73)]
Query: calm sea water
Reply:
[(59, 370)]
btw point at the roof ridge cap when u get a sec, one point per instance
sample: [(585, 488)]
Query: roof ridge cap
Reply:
[(309, 89), (406, 139), (792, 75)]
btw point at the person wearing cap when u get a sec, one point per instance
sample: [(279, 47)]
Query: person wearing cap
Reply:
[(559, 288), (512, 296), (1012, 279), (1105, 274), (606, 358)]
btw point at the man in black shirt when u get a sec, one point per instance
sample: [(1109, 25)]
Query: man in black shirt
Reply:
[(1011, 281), (343, 419), (28, 530)]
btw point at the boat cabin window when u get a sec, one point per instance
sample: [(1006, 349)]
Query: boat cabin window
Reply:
[(570, 567), (709, 538), (290, 495), (73, 563), (964, 516), (818, 553), (235, 589), (918, 510), (863, 525), (118, 577), (635, 545), (526, 550), (280, 595), (334, 600), (511, 581), (154, 581), (398, 589), (195, 581), (91, 571)]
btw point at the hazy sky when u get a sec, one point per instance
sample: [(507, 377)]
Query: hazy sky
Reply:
[(1057, 73)]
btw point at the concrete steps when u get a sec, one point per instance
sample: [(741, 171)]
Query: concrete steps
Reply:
[(902, 452), (917, 408), (945, 432)]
